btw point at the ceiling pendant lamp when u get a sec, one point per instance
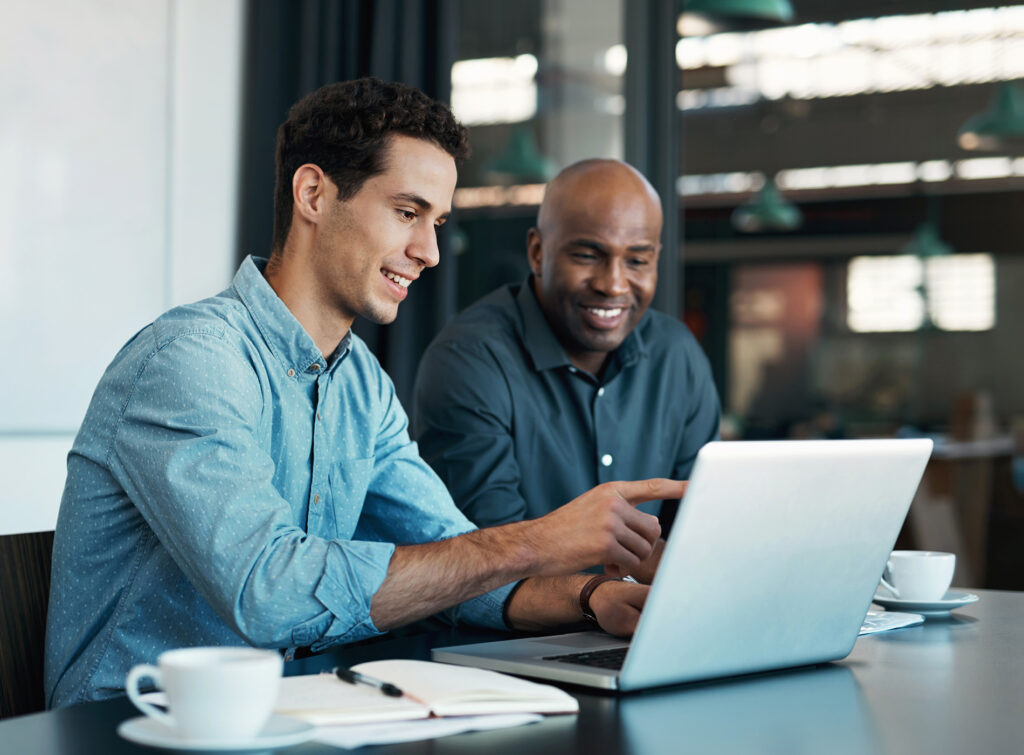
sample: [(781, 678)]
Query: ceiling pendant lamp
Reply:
[(927, 242), (768, 210), (1000, 125), (702, 17), (521, 161)]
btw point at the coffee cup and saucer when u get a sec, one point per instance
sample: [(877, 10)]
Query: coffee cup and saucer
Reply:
[(918, 582), (218, 698)]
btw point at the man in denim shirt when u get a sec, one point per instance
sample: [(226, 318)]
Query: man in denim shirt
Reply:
[(244, 471)]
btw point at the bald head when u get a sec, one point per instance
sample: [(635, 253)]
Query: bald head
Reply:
[(596, 181), (594, 256)]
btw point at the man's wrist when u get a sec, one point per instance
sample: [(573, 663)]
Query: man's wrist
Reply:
[(588, 590)]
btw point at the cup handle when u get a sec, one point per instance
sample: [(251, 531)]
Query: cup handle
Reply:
[(131, 684), (886, 584)]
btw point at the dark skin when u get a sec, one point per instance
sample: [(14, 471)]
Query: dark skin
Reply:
[(594, 258)]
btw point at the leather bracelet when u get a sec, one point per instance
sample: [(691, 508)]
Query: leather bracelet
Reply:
[(588, 590)]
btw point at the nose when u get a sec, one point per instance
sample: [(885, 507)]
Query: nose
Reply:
[(423, 247), (611, 280)]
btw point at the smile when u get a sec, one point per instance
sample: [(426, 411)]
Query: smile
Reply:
[(605, 314), (403, 282)]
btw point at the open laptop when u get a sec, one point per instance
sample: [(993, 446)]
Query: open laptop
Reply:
[(773, 560)]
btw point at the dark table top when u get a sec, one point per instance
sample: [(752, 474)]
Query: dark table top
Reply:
[(948, 686)]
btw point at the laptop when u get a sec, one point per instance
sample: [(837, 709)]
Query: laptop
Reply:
[(772, 562)]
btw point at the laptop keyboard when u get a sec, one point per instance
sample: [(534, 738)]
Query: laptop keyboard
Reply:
[(610, 659)]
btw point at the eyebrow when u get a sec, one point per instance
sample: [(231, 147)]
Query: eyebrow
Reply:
[(597, 246), (420, 202)]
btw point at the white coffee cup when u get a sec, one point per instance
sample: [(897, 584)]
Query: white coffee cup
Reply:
[(918, 575), (215, 694)]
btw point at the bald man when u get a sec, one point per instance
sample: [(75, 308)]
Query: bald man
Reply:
[(542, 390)]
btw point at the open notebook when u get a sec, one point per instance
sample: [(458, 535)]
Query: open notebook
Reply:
[(430, 689)]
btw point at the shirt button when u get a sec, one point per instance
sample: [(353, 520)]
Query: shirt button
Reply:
[(600, 391), (606, 460), (315, 366), (318, 416), (316, 498), (291, 373)]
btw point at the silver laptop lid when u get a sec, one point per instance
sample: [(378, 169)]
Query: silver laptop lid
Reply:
[(774, 556), (772, 562)]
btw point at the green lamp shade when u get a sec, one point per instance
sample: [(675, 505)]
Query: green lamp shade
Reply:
[(998, 126), (520, 161), (927, 242), (767, 211), (735, 15)]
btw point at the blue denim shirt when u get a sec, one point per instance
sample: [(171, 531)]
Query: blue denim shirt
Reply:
[(229, 485)]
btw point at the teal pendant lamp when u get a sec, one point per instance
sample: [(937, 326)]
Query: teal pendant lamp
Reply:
[(710, 16), (1001, 125), (767, 211), (927, 242), (520, 161)]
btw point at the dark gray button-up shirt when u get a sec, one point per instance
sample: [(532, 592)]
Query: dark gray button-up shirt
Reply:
[(515, 430)]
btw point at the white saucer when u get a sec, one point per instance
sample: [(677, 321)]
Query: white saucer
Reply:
[(942, 607), (280, 731)]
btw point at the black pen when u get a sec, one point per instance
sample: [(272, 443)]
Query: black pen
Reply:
[(354, 677)]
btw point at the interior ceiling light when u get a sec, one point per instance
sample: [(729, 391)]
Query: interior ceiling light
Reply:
[(768, 210), (1001, 125), (702, 17), (927, 242), (520, 161)]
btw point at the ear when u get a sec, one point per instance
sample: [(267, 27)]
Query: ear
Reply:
[(309, 192), (534, 250)]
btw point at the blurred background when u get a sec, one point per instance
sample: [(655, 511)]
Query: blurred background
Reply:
[(843, 184)]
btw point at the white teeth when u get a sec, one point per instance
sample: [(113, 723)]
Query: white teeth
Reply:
[(605, 312), (403, 282)]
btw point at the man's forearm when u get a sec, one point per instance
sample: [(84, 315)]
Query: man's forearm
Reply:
[(602, 526), (424, 579), (542, 602)]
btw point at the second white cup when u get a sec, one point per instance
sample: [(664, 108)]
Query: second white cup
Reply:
[(215, 694), (919, 575)]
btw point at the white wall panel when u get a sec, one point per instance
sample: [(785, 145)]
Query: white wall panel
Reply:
[(118, 173), (83, 197)]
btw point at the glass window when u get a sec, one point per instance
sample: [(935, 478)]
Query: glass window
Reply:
[(904, 293)]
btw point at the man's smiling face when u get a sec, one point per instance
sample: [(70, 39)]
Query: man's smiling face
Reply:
[(594, 257), (375, 244)]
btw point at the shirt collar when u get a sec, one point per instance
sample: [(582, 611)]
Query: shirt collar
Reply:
[(543, 346), (284, 335), (541, 342)]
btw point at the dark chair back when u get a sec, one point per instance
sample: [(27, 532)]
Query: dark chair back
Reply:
[(24, 595)]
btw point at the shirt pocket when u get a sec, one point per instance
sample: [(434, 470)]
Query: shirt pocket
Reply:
[(349, 480)]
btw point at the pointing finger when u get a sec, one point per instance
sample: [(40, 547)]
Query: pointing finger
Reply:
[(658, 488)]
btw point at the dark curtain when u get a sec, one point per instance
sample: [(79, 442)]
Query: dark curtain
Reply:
[(294, 46)]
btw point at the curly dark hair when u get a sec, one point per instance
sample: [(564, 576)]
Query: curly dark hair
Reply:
[(344, 128)]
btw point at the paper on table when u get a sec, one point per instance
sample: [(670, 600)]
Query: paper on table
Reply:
[(357, 735), (463, 691), (883, 621), (429, 687), (325, 699)]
